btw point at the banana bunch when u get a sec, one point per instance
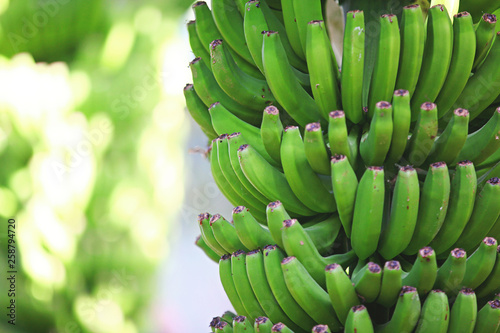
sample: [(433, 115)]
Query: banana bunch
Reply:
[(265, 287), (359, 189)]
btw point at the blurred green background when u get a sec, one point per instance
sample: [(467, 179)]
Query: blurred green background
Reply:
[(93, 138)]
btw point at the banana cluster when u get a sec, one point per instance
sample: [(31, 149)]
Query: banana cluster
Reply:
[(301, 283), (358, 191), (410, 316)]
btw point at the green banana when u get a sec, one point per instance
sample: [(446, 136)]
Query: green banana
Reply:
[(401, 120), (492, 282), (289, 20), (208, 235), (368, 212), (368, 281), (484, 142), (262, 325), (460, 206), (230, 24), (461, 63), (484, 215), (376, 142), (214, 322), (385, 70), (243, 286), (308, 293), (412, 48), (199, 50), (269, 181), (235, 141), (484, 87), (406, 314), (436, 60), (463, 312), (488, 318), (423, 136), (276, 214), (223, 157), (338, 136), (451, 273), (341, 291), (271, 131), (226, 277), (250, 232), (397, 233), (358, 320), (391, 284), (200, 242), (485, 33), (304, 182), (435, 313), (272, 264), (315, 149), (210, 92), (480, 264), (284, 84), (225, 234), (199, 111), (258, 280), (246, 90), (224, 121), (299, 244), (259, 17), (228, 317), (322, 67), (207, 32), (353, 58), (224, 186), (345, 185), (242, 325), (448, 145), (423, 273), (433, 207), (205, 25), (223, 327), (305, 12)]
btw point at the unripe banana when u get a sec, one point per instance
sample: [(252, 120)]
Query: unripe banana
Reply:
[(341, 291), (436, 60), (242, 325), (406, 314), (262, 325), (435, 313), (485, 33), (463, 312), (423, 273), (451, 273), (226, 278), (200, 242), (271, 132), (208, 235), (424, 133), (367, 281), (309, 294), (272, 263), (412, 48), (401, 120), (226, 235), (391, 284), (352, 66), (250, 232), (368, 212), (375, 144), (480, 263), (358, 320), (397, 233), (492, 282), (488, 318), (315, 149)]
